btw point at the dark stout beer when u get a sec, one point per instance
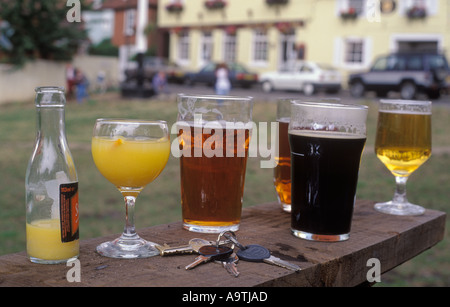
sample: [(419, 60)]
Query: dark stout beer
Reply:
[(325, 169)]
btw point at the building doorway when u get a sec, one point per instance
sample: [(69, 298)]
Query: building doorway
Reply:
[(417, 46), (417, 43), (288, 52)]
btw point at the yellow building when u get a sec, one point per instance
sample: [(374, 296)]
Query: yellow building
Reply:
[(269, 35)]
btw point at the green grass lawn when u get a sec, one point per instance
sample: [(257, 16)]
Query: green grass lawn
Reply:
[(101, 205)]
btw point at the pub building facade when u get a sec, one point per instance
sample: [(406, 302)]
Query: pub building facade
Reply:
[(267, 35)]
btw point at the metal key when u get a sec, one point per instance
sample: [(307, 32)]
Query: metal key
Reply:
[(208, 253), (230, 264), (258, 253), (193, 247)]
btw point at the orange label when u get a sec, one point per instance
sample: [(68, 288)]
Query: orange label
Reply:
[(69, 214)]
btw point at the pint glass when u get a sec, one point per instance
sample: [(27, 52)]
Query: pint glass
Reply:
[(214, 135), (327, 140), (282, 170)]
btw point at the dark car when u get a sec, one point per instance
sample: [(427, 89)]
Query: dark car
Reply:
[(238, 74), (153, 65), (406, 73)]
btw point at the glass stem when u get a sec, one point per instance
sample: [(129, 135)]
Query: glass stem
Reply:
[(129, 231), (400, 190)]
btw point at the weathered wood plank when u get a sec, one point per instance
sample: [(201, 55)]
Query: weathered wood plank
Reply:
[(391, 239)]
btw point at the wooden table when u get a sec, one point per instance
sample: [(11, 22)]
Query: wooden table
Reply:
[(390, 239)]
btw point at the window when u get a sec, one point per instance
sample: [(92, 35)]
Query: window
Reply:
[(437, 61), (355, 6), (129, 22), (354, 52), (418, 3), (229, 48), (260, 46), (414, 62), (391, 63), (183, 46), (431, 6), (206, 47), (306, 69), (209, 67)]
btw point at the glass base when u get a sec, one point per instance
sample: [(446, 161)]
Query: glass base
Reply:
[(46, 261), (395, 208), (128, 248), (286, 207), (210, 229), (322, 238)]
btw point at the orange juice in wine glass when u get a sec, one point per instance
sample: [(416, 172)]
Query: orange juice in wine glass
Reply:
[(130, 154), (128, 162)]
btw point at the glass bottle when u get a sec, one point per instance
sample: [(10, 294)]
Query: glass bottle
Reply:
[(51, 185)]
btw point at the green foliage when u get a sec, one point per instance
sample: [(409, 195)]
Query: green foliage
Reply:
[(39, 29), (105, 47)]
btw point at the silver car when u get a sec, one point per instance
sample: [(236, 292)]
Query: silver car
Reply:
[(305, 76)]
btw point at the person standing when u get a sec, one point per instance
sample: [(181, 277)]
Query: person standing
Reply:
[(160, 83), (70, 80), (82, 85), (223, 84)]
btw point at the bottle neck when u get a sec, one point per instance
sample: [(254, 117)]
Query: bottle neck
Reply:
[(50, 122), (50, 103)]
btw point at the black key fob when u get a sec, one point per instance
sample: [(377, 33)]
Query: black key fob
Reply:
[(253, 253)]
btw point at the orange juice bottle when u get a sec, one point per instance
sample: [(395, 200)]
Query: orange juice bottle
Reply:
[(51, 185)]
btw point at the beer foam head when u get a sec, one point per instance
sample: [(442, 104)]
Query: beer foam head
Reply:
[(215, 108), (328, 116), (405, 106)]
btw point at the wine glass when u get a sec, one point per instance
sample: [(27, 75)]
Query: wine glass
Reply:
[(130, 154), (403, 143)]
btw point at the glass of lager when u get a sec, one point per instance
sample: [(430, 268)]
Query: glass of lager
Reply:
[(403, 143), (214, 135), (282, 170), (326, 140)]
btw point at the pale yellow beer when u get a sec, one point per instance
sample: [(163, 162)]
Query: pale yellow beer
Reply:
[(403, 141)]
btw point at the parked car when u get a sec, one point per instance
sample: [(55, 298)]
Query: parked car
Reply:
[(239, 75), (305, 76), (406, 73), (153, 65)]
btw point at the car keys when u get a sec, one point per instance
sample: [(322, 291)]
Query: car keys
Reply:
[(193, 247), (208, 253), (230, 264), (258, 253)]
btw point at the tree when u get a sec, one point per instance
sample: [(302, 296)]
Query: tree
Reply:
[(39, 29)]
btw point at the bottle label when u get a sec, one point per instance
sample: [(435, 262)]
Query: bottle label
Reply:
[(68, 204)]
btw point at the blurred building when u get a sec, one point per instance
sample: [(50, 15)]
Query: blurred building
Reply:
[(126, 32), (271, 34)]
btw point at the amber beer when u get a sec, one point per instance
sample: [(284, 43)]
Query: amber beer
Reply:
[(406, 147), (213, 163), (282, 171)]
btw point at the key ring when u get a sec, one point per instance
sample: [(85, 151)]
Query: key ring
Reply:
[(218, 242), (230, 235)]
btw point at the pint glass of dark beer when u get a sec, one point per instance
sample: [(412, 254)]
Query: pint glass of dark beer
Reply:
[(282, 169), (214, 136), (326, 140)]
